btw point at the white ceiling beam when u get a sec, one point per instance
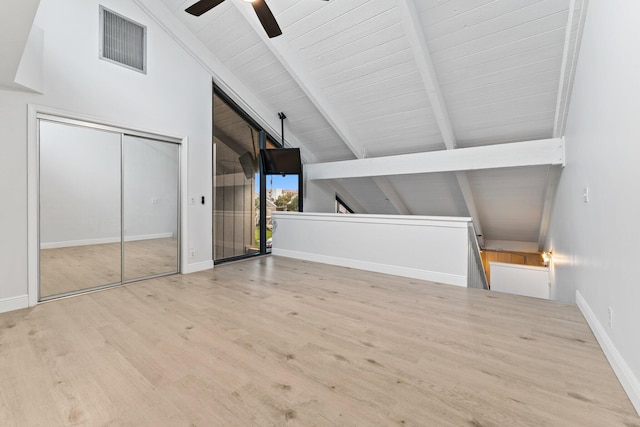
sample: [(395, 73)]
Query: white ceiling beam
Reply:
[(415, 34), (422, 56), (296, 69), (298, 72), (347, 197), (515, 154), (573, 34), (469, 201), (392, 194), (553, 179), (558, 122), (222, 76), (467, 194)]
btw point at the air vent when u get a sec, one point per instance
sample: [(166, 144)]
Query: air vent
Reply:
[(122, 41)]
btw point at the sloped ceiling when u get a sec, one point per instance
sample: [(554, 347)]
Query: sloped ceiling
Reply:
[(372, 78)]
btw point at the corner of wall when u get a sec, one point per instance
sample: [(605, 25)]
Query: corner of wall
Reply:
[(14, 303), (197, 266), (30, 73)]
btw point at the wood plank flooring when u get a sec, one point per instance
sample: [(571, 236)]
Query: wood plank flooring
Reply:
[(75, 268), (280, 342)]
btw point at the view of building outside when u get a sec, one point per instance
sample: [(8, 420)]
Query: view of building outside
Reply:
[(282, 195)]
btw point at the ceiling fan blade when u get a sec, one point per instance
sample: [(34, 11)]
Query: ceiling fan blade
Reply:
[(202, 6), (266, 18)]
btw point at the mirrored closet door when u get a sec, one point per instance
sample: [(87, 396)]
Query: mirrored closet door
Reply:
[(150, 207), (109, 207)]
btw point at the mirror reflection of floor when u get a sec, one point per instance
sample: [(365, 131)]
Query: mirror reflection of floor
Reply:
[(75, 268)]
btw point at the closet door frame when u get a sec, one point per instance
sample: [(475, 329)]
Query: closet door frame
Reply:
[(35, 115)]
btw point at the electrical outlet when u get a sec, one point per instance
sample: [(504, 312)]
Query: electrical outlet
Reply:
[(192, 253), (585, 195), (610, 313)]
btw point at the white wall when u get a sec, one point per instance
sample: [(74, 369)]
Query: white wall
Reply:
[(150, 188), (79, 185), (519, 279), (319, 197), (427, 248), (595, 244), (173, 98)]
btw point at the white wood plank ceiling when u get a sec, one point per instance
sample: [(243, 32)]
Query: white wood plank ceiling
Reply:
[(373, 78)]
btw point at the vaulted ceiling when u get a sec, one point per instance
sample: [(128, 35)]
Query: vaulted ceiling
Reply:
[(362, 79)]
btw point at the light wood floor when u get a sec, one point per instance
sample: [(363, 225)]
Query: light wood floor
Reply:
[(75, 268), (274, 342)]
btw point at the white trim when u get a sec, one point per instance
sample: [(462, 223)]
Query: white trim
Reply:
[(184, 205), (629, 381), (32, 205), (419, 220), (514, 154), (87, 242), (56, 114), (198, 266), (432, 276), (14, 303), (519, 266)]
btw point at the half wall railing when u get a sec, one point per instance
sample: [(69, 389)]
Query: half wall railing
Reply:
[(476, 276)]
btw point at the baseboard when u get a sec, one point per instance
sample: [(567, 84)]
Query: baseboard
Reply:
[(624, 373), (414, 273), (198, 266), (14, 303), (102, 241)]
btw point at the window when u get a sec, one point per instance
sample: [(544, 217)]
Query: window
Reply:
[(240, 221), (342, 207)]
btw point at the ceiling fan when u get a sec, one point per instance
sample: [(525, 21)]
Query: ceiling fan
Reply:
[(265, 16)]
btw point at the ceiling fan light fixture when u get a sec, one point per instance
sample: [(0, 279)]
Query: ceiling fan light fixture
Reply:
[(261, 8)]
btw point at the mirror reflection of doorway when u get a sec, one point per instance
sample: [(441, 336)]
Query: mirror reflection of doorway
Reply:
[(109, 207)]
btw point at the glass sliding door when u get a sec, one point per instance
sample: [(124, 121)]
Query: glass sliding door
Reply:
[(244, 196), (151, 194), (108, 207), (80, 230), (236, 227)]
